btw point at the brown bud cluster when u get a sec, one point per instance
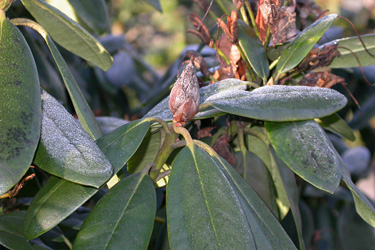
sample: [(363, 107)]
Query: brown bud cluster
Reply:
[(184, 96)]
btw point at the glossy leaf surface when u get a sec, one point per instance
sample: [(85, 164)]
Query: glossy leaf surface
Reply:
[(303, 43), (68, 33), (11, 234), (123, 218), (20, 112), (66, 150), (337, 125), (43, 214), (162, 109), (253, 50), (212, 218), (347, 59), (279, 103), (307, 150)]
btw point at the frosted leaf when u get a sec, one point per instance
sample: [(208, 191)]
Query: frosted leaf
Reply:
[(162, 111), (307, 150), (357, 159), (279, 103), (66, 150)]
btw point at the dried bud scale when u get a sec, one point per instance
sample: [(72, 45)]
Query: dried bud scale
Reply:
[(184, 96)]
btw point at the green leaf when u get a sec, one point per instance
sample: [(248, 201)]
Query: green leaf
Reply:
[(361, 117), (335, 124), (56, 200), (123, 218), (146, 153), (363, 206), (120, 144), (20, 112), (279, 103), (255, 173), (253, 50), (347, 59), (11, 235), (203, 210), (307, 150), (302, 44), (68, 33), (162, 110), (108, 124), (93, 12), (354, 233), (66, 150), (80, 104), (154, 3), (50, 205), (265, 228)]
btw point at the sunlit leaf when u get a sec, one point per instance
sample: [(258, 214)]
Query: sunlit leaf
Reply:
[(303, 43), (355, 50), (123, 218), (66, 150), (68, 33), (253, 50), (20, 112), (335, 124), (307, 150), (279, 103), (59, 198)]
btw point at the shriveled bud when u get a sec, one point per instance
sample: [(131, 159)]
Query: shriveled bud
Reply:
[(5, 4), (184, 96)]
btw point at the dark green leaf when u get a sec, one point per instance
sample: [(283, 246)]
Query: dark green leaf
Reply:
[(307, 150), (266, 229), (93, 12), (253, 49), (68, 33), (20, 112), (50, 205), (255, 173), (335, 124), (354, 233), (120, 144), (108, 124), (146, 153), (11, 234), (347, 59), (363, 206), (54, 202), (279, 103), (203, 210), (80, 104), (154, 3), (303, 43), (123, 218), (162, 110), (66, 150)]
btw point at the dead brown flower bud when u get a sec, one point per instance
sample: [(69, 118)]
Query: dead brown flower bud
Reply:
[(184, 96), (321, 79), (319, 58)]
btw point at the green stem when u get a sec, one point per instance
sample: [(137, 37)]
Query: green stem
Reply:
[(241, 140), (164, 152), (268, 38), (244, 16), (160, 121), (2, 14), (261, 136), (247, 4), (222, 7)]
